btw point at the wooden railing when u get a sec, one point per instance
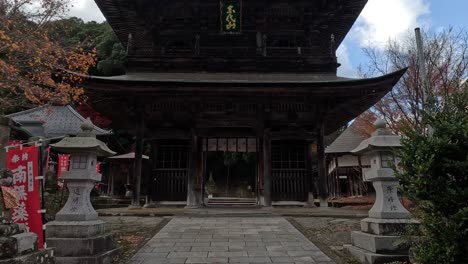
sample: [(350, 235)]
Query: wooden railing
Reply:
[(171, 184), (289, 184)]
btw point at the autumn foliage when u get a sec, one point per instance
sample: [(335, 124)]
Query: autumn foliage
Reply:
[(35, 69)]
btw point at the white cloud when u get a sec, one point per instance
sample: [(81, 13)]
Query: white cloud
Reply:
[(346, 69), (382, 20), (86, 10)]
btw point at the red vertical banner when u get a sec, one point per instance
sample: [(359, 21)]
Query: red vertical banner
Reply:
[(63, 165), (23, 162)]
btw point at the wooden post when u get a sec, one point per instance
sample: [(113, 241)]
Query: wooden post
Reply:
[(337, 177), (194, 164), (260, 174), (149, 203), (322, 175), (267, 168), (138, 161), (310, 174)]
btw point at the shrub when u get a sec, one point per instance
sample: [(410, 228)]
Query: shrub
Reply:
[(435, 179)]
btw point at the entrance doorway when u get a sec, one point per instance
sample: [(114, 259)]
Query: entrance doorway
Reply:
[(231, 174), (231, 168)]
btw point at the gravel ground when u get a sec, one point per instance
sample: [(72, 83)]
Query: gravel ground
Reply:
[(132, 232), (329, 234)]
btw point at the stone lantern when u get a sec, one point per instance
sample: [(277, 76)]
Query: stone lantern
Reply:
[(387, 219), (77, 222)]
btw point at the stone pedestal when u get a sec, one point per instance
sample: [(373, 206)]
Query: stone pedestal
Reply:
[(91, 245), (379, 238), (77, 224)]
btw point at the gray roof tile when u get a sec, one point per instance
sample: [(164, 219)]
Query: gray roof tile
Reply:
[(347, 141), (58, 120)]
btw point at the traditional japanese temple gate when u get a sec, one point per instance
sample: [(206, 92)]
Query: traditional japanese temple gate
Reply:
[(263, 71)]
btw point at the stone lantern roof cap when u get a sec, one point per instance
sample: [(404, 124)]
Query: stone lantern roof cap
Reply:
[(85, 141), (382, 138)]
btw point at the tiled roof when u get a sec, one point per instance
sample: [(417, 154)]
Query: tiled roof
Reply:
[(58, 120), (347, 141)]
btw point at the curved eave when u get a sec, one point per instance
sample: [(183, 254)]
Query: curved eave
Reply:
[(121, 83)]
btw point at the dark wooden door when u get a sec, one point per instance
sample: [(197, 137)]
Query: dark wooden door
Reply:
[(289, 170), (171, 170)]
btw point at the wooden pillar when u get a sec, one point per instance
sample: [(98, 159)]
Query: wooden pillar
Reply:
[(150, 182), (260, 174), (138, 162), (322, 175), (192, 199), (337, 177), (310, 174), (203, 170), (267, 168), (200, 185)]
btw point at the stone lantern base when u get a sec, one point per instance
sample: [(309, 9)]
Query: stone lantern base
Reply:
[(377, 242), (83, 242)]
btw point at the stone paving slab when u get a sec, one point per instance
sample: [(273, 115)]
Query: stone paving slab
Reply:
[(229, 240)]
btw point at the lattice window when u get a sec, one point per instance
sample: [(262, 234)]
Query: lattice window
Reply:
[(387, 160), (79, 162), (173, 156), (288, 155)]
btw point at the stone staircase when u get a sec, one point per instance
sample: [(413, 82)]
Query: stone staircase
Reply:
[(231, 202)]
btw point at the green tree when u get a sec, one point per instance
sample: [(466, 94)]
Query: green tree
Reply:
[(111, 55), (435, 177)]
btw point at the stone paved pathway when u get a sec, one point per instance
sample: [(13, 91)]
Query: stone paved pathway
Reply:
[(229, 240)]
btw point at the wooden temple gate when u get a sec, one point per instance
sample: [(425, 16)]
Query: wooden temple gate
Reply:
[(273, 78)]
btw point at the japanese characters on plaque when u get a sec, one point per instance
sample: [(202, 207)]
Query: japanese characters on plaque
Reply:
[(23, 163), (231, 16)]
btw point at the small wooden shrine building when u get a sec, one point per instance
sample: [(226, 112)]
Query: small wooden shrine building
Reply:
[(233, 75), (344, 168)]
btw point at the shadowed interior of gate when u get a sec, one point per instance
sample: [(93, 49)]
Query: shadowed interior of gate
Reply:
[(231, 174)]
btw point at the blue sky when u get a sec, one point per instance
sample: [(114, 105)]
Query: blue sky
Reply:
[(382, 20), (379, 21)]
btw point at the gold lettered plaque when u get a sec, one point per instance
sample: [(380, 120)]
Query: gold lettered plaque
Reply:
[(231, 16)]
